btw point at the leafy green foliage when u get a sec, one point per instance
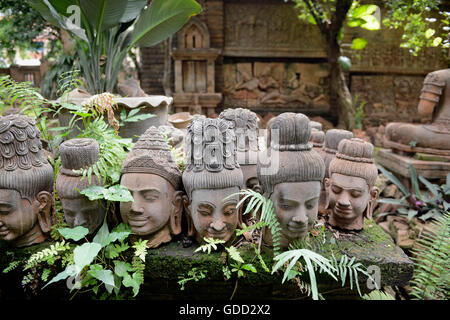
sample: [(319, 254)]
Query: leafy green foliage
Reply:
[(105, 262), (309, 261), (211, 244), (47, 255), (112, 29), (76, 233), (377, 295), (431, 278), (424, 205), (19, 27), (193, 274), (420, 27)]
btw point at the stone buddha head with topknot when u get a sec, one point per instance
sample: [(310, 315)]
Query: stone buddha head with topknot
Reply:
[(294, 187), (26, 182), (351, 191), (245, 124), (212, 179), (154, 180), (78, 154)]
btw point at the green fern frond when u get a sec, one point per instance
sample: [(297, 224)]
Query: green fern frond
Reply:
[(13, 265), (431, 278), (47, 254), (378, 295), (211, 244)]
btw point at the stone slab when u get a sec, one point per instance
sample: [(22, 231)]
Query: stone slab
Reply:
[(167, 264), (400, 165)]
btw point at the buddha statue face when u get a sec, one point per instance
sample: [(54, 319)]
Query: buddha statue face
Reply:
[(156, 204), (26, 182), (80, 211), (351, 190), (21, 221), (296, 205), (211, 215), (349, 197)]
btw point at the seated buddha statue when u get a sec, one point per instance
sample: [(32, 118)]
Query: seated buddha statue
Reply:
[(431, 138)]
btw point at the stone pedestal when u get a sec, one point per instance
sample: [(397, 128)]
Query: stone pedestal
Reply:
[(168, 263), (399, 165)]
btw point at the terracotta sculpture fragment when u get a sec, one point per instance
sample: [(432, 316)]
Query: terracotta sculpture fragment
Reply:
[(77, 154), (26, 182), (154, 180), (350, 187), (294, 187), (212, 174)]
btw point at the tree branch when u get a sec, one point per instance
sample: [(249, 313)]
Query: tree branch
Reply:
[(337, 20), (323, 28)]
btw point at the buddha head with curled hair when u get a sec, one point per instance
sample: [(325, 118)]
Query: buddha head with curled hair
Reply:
[(294, 184), (212, 179), (26, 182)]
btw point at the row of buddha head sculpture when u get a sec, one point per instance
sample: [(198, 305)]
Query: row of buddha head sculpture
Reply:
[(299, 167)]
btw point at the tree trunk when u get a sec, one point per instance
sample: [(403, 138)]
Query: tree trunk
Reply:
[(340, 97), (167, 67)]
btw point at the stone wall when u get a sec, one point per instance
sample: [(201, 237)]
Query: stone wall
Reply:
[(272, 62)]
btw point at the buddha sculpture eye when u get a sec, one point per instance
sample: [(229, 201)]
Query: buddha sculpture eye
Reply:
[(356, 193), (336, 189)]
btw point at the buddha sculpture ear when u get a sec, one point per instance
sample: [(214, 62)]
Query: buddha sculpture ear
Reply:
[(374, 192), (327, 183), (41, 207), (187, 211), (175, 215)]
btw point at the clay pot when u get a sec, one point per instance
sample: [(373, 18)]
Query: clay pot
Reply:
[(157, 105), (180, 120)]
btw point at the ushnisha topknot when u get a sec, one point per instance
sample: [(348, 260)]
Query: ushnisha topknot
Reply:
[(332, 139), (316, 125), (23, 166), (76, 154), (289, 134), (355, 158), (151, 154), (245, 124), (211, 162), (317, 138)]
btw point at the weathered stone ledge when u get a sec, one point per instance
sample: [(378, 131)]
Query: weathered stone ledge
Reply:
[(166, 264)]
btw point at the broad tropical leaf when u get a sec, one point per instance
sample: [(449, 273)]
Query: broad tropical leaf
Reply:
[(161, 19)]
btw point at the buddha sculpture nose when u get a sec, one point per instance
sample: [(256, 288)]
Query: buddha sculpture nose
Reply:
[(218, 225)]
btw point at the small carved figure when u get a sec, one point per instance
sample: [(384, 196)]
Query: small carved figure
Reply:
[(154, 180), (77, 154), (293, 178), (211, 176), (431, 138), (351, 190), (26, 182), (245, 124)]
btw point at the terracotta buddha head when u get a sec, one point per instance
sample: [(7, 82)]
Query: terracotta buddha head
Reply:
[(245, 124), (26, 183), (317, 140), (350, 187), (295, 187), (78, 210), (212, 174), (154, 180)]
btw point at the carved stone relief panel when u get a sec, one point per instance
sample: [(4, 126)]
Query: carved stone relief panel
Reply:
[(258, 85)]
